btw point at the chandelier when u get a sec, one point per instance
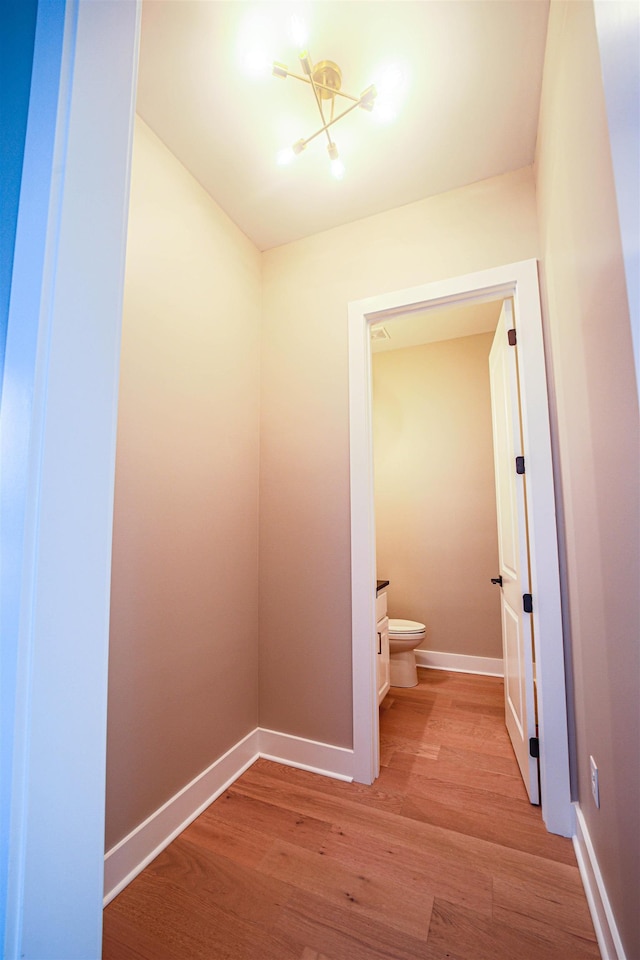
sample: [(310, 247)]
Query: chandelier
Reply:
[(325, 80)]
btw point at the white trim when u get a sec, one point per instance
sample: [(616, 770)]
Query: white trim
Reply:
[(519, 280), (323, 758), (63, 344), (602, 916), (366, 732), (460, 663), (124, 861)]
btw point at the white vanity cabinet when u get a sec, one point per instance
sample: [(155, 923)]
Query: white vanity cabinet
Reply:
[(382, 645)]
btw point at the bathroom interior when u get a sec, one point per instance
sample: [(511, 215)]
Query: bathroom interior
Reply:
[(435, 506)]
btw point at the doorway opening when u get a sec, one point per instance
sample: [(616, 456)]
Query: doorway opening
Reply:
[(437, 541), (520, 282)]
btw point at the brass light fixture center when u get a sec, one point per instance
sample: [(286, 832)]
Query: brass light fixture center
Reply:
[(327, 73), (325, 80)]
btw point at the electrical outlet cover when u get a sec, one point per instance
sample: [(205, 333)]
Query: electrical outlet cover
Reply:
[(595, 785)]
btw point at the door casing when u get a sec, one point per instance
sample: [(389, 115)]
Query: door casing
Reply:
[(520, 281), (61, 369)]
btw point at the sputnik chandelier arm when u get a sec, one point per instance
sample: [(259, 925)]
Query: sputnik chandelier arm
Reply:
[(280, 70), (325, 79), (306, 66), (325, 127)]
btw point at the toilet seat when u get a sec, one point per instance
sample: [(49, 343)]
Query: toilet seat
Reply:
[(406, 629)]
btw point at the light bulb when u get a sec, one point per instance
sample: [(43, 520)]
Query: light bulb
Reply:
[(390, 80), (368, 98), (299, 32), (255, 43), (391, 86), (384, 111), (290, 153), (285, 157), (337, 168), (255, 61)]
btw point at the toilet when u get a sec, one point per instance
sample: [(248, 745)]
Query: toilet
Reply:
[(404, 637)]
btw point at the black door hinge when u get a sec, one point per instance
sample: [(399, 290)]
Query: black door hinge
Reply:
[(534, 747), (527, 603), (511, 334), (519, 465)]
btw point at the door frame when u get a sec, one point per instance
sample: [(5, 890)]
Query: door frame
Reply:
[(56, 484), (520, 281)]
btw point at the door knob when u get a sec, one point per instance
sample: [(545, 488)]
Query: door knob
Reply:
[(497, 580)]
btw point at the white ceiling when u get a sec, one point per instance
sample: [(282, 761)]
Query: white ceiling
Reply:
[(473, 72), (436, 323)]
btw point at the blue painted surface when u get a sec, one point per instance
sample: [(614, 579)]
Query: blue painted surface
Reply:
[(17, 33), (20, 23)]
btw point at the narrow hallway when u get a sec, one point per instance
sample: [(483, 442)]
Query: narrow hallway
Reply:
[(443, 857)]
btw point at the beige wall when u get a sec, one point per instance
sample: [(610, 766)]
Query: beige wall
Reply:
[(305, 589), (436, 539), (596, 434), (183, 657)]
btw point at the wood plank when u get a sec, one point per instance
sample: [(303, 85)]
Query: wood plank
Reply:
[(493, 710), (407, 864), (457, 775), (446, 683), (242, 844), (343, 934), (450, 730), (127, 937), (387, 793), (478, 760), (359, 889), (164, 921), (330, 802), (500, 827), (459, 934), (389, 744), (540, 902), (237, 810), (210, 879)]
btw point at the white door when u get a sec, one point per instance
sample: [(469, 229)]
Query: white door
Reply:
[(513, 551)]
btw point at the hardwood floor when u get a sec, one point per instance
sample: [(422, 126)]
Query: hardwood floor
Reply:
[(443, 858)]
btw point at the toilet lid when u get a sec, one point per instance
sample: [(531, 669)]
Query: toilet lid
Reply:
[(406, 626)]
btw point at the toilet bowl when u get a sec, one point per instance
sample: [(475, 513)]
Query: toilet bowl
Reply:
[(404, 637)]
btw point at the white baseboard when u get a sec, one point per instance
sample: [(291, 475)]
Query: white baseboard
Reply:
[(133, 853), (336, 762), (604, 922), (459, 663)]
